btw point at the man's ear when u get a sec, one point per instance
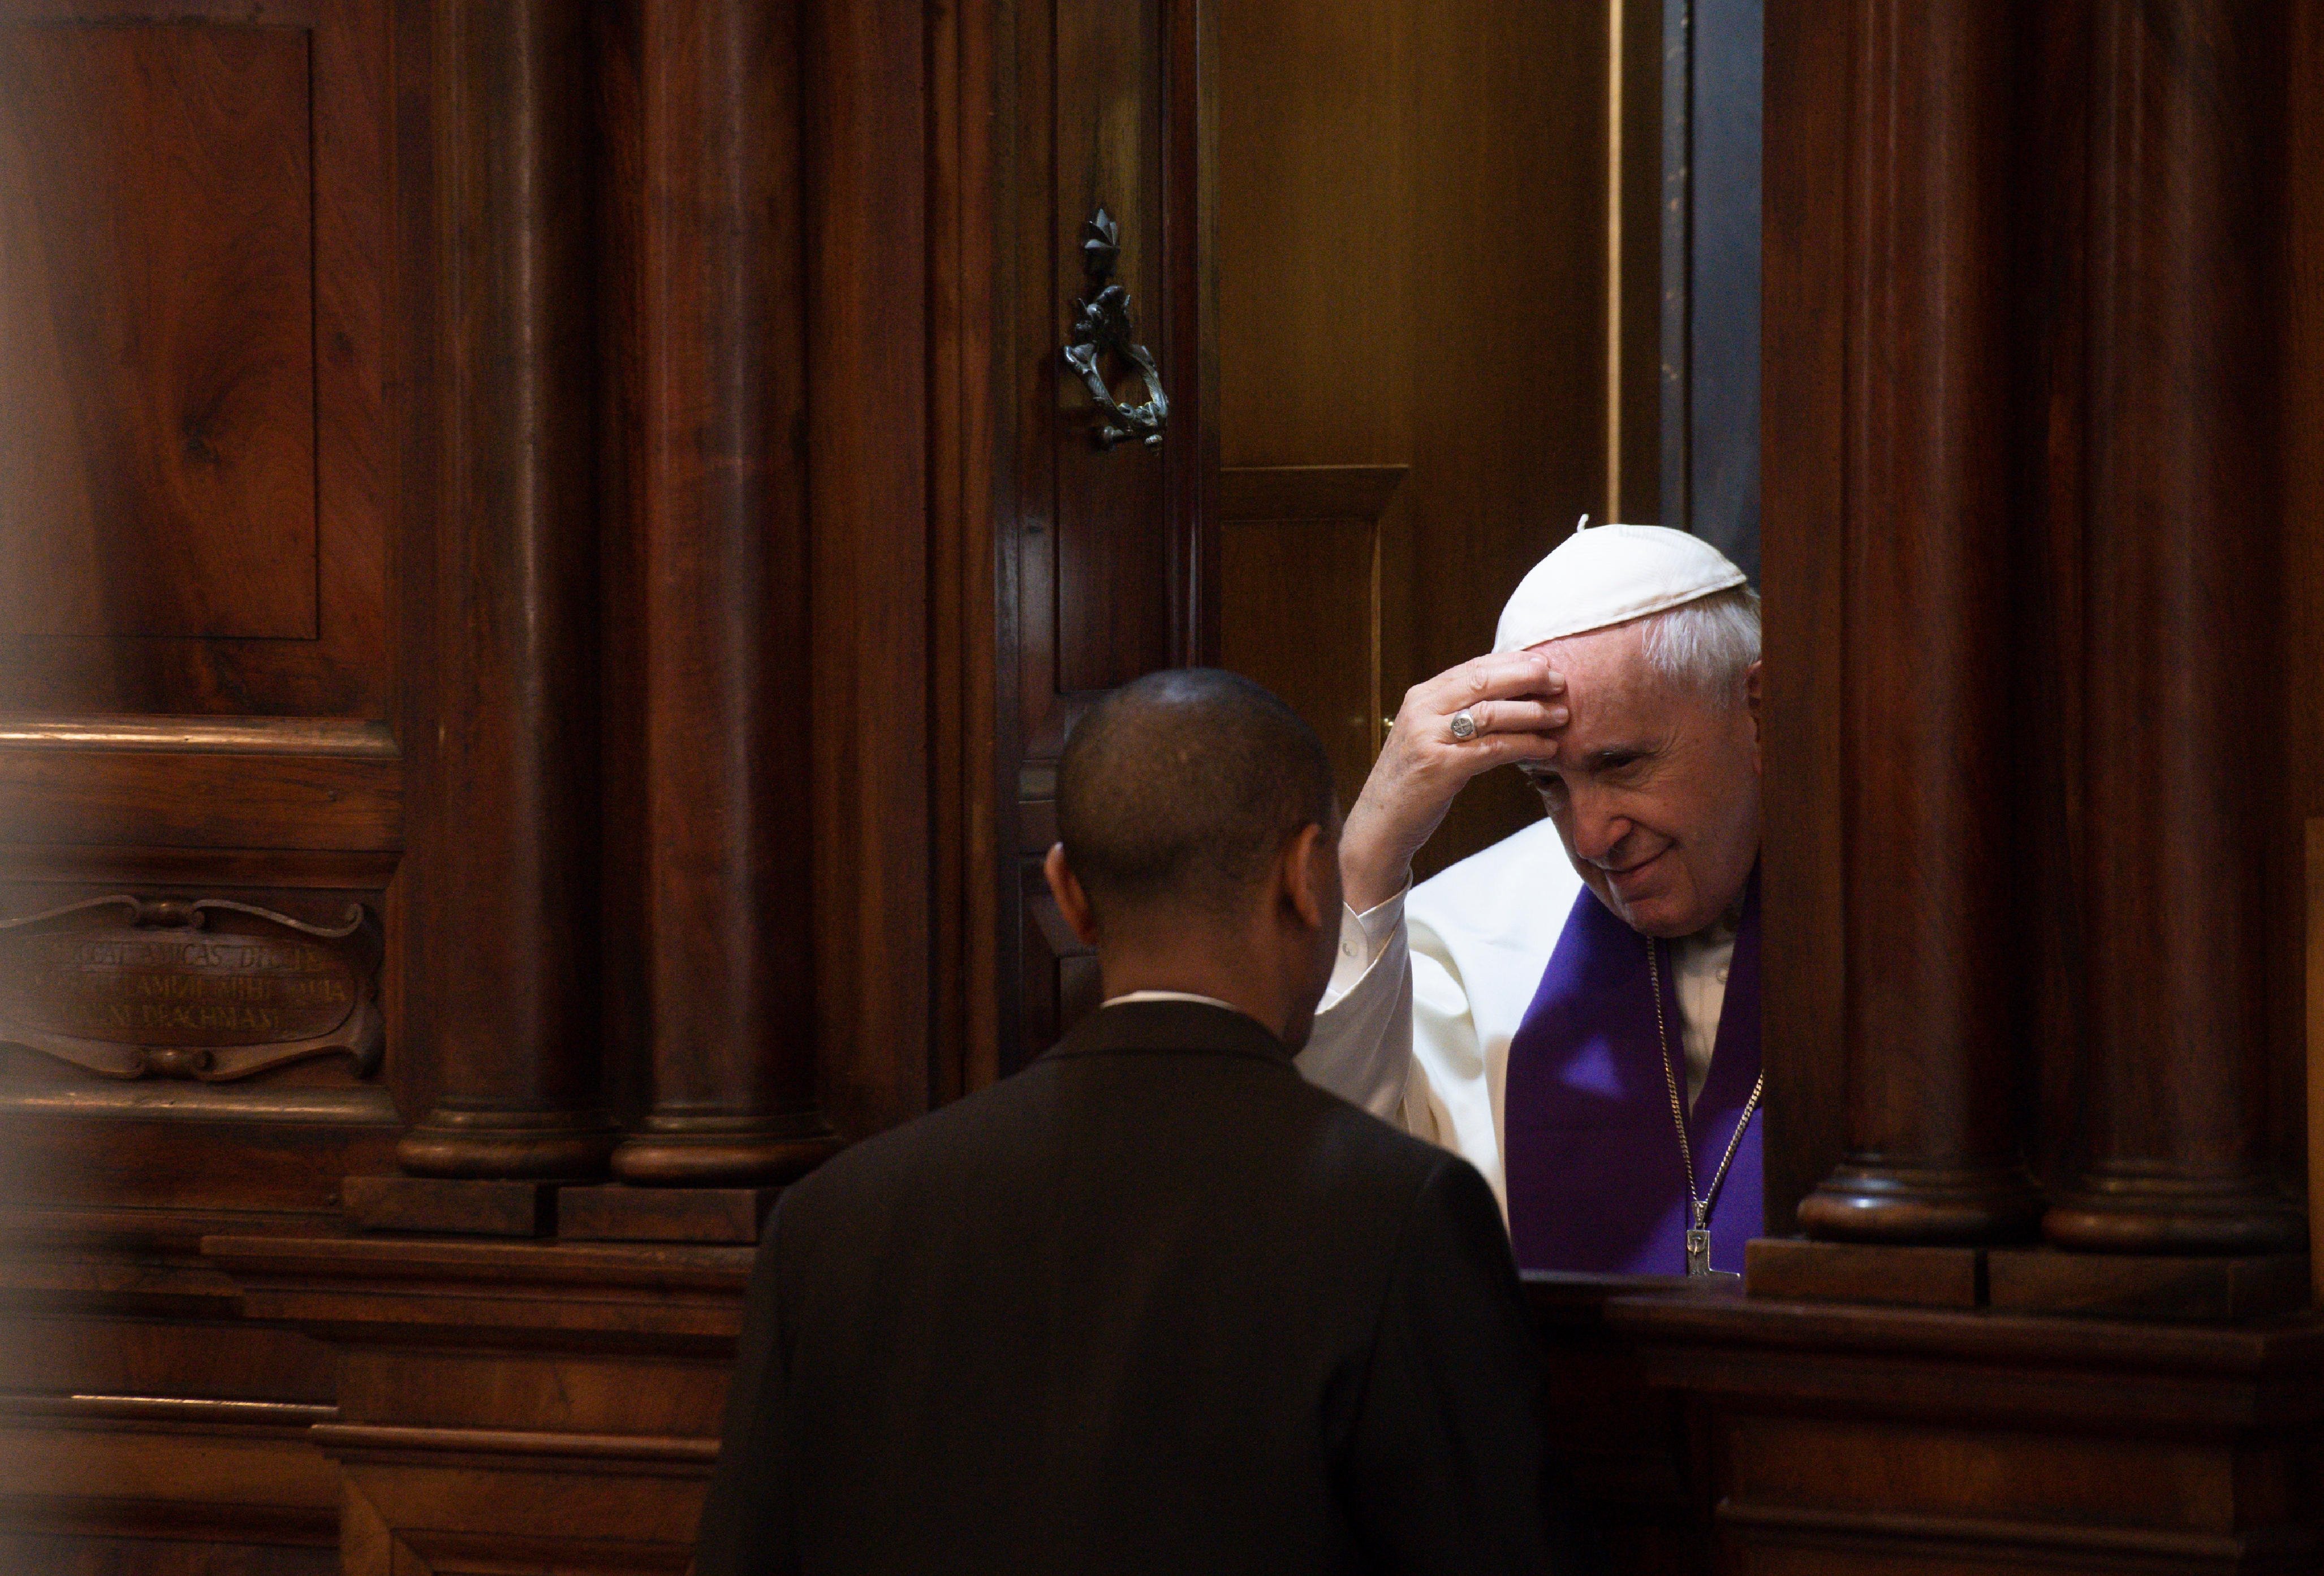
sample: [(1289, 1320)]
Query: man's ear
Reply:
[(1066, 887), (1752, 691), (1310, 878)]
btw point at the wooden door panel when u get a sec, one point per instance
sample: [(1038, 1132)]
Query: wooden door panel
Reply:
[(1300, 627), (1099, 555), (1300, 568), (1099, 549), (1112, 521), (195, 218), (156, 349)]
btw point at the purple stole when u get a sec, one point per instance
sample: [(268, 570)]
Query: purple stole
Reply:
[(1594, 1178)]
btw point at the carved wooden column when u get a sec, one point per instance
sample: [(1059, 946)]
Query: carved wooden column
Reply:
[(2179, 571), (1929, 423), (719, 491), (513, 924)]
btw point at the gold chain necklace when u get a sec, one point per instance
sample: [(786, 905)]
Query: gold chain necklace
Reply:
[(1698, 1230)]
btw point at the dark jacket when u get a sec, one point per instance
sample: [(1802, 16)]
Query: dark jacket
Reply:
[(1153, 1304)]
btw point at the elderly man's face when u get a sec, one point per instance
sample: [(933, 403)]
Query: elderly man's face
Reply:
[(1653, 786)]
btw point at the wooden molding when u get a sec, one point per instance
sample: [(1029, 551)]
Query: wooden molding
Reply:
[(366, 1546), (175, 1410), (660, 1298), (343, 1439), (353, 737), (409, 1520), (1813, 1353), (118, 795), (367, 1105), (1981, 1538), (658, 1267), (445, 1442)]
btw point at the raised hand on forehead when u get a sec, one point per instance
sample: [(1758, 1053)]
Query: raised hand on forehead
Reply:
[(1491, 711)]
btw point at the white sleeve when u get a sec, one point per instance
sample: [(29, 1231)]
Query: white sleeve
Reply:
[(1449, 1098), (1395, 1036), (1361, 1047)]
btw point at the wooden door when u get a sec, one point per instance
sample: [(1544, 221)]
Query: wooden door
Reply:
[(1101, 556), (1436, 238)]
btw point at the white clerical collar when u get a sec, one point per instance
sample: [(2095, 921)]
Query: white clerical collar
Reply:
[(1169, 996)]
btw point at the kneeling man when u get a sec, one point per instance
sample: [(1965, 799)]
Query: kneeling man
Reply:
[(1155, 1303), (1576, 1009)]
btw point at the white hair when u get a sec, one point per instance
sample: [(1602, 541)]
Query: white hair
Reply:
[(1706, 645)]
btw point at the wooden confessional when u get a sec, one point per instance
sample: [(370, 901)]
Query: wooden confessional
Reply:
[(548, 552)]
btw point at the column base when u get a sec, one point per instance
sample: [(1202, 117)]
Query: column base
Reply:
[(614, 1211), (722, 1151), (2209, 1288), (1865, 1203), (2130, 1212), (1789, 1269), (2192, 1288), (515, 1145), (450, 1206)]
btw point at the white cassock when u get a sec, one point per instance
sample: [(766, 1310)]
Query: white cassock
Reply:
[(1431, 986)]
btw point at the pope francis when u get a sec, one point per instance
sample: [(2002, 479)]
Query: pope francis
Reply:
[(1576, 1009)]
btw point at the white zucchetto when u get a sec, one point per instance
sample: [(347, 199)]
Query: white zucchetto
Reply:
[(1608, 575)]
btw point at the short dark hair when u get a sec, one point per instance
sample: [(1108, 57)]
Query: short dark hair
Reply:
[(1178, 791)]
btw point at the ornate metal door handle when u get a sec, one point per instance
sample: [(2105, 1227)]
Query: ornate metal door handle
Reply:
[(1102, 326)]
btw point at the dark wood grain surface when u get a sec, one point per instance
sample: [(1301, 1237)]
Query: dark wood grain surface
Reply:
[(1112, 526), (1101, 554), (1803, 502), (510, 1402), (975, 865), (866, 725), (1301, 548), (200, 497), (1928, 554), (513, 925), (2181, 537), (718, 493), (1869, 1438), (2295, 936), (156, 177)]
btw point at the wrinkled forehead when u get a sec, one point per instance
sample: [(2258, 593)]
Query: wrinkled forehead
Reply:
[(1613, 694)]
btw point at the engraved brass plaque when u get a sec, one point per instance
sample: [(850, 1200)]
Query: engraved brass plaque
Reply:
[(214, 990)]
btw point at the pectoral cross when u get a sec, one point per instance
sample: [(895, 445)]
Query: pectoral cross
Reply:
[(1698, 1251)]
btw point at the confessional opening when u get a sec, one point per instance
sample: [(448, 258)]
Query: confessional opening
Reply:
[(1480, 271)]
